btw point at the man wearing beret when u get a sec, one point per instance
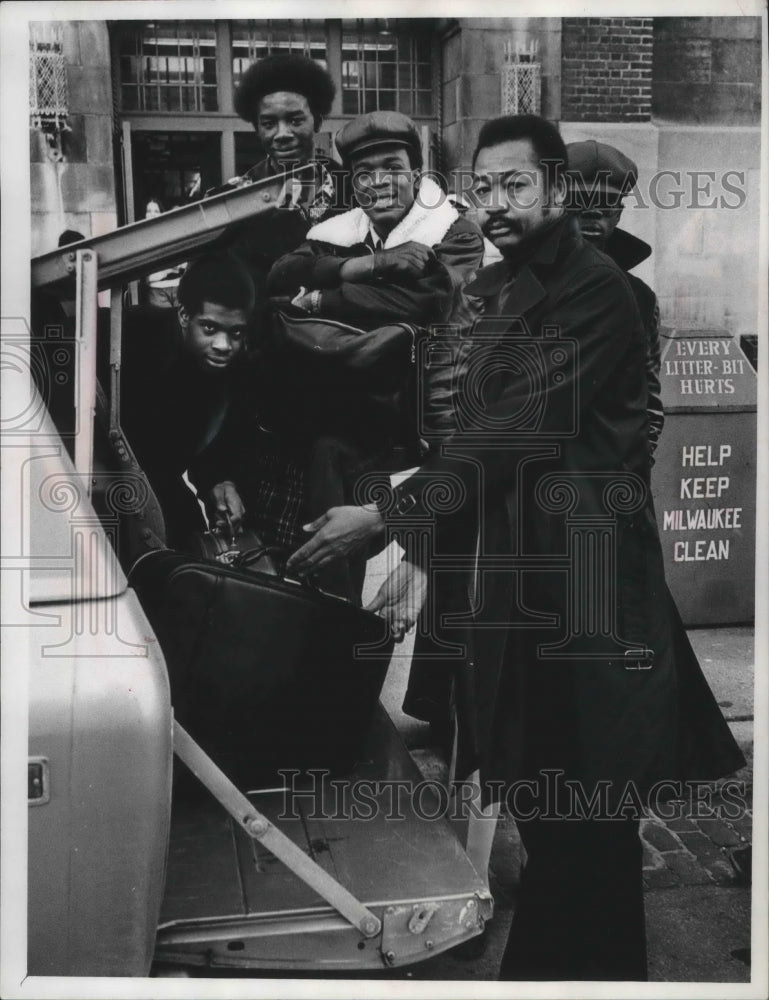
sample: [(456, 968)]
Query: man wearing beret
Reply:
[(579, 709), (600, 176)]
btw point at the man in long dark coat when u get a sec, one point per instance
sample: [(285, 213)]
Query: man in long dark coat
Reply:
[(581, 706), (599, 176)]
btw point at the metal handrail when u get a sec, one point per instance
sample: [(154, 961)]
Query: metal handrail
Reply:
[(175, 236), (257, 825)]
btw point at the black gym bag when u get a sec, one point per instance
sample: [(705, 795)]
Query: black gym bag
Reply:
[(266, 673)]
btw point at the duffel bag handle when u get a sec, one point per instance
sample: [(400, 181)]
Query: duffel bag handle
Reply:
[(246, 559), (251, 556)]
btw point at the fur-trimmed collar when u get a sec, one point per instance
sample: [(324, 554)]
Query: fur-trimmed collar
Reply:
[(427, 222)]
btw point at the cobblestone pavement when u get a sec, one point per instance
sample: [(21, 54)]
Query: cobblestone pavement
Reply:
[(686, 843), (687, 851), (698, 903), (697, 899), (701, 842)]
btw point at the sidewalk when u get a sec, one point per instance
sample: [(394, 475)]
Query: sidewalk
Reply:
[(697, 905)]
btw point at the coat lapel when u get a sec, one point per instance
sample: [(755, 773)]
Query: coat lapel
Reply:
[(520, 297), (510, 295)]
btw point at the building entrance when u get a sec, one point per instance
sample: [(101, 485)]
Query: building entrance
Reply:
[(173, 168)]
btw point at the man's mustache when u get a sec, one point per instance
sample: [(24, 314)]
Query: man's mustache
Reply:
[(489, 224)]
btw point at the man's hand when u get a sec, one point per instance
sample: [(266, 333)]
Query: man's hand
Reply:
[(291, 194), (408, 260), (400, 598), (307, 301), (228, 507), (338, 533)]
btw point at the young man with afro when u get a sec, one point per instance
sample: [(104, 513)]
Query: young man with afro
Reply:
[(285, 98)]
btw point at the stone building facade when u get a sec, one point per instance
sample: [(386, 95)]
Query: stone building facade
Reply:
[(78, 191), (151, 116)]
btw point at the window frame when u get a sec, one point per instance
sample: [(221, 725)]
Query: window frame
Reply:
[(197, 88), (225, 85), (224, 120), (365, 26)]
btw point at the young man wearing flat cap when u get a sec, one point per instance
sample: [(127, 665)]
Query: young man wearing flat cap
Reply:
[(600, 176), (403, 255)]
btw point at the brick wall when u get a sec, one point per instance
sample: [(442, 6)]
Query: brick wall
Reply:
[(606, 69)]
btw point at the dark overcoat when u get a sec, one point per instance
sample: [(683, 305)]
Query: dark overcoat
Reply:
[(573, 636), (629, 251), (429, 691)]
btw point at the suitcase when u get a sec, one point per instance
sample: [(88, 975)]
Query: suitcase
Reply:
[(266, 674)]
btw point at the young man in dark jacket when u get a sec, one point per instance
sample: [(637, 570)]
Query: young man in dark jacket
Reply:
[(581, 708), (599, 177), (285, 97), (402, 256), (177, 383)]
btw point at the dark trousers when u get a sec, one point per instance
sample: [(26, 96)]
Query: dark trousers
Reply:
[(580, 912)]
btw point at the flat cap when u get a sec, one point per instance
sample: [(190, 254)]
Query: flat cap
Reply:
[(594, 163), (379, 128)]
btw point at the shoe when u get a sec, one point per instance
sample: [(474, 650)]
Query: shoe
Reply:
[(742, 863)]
